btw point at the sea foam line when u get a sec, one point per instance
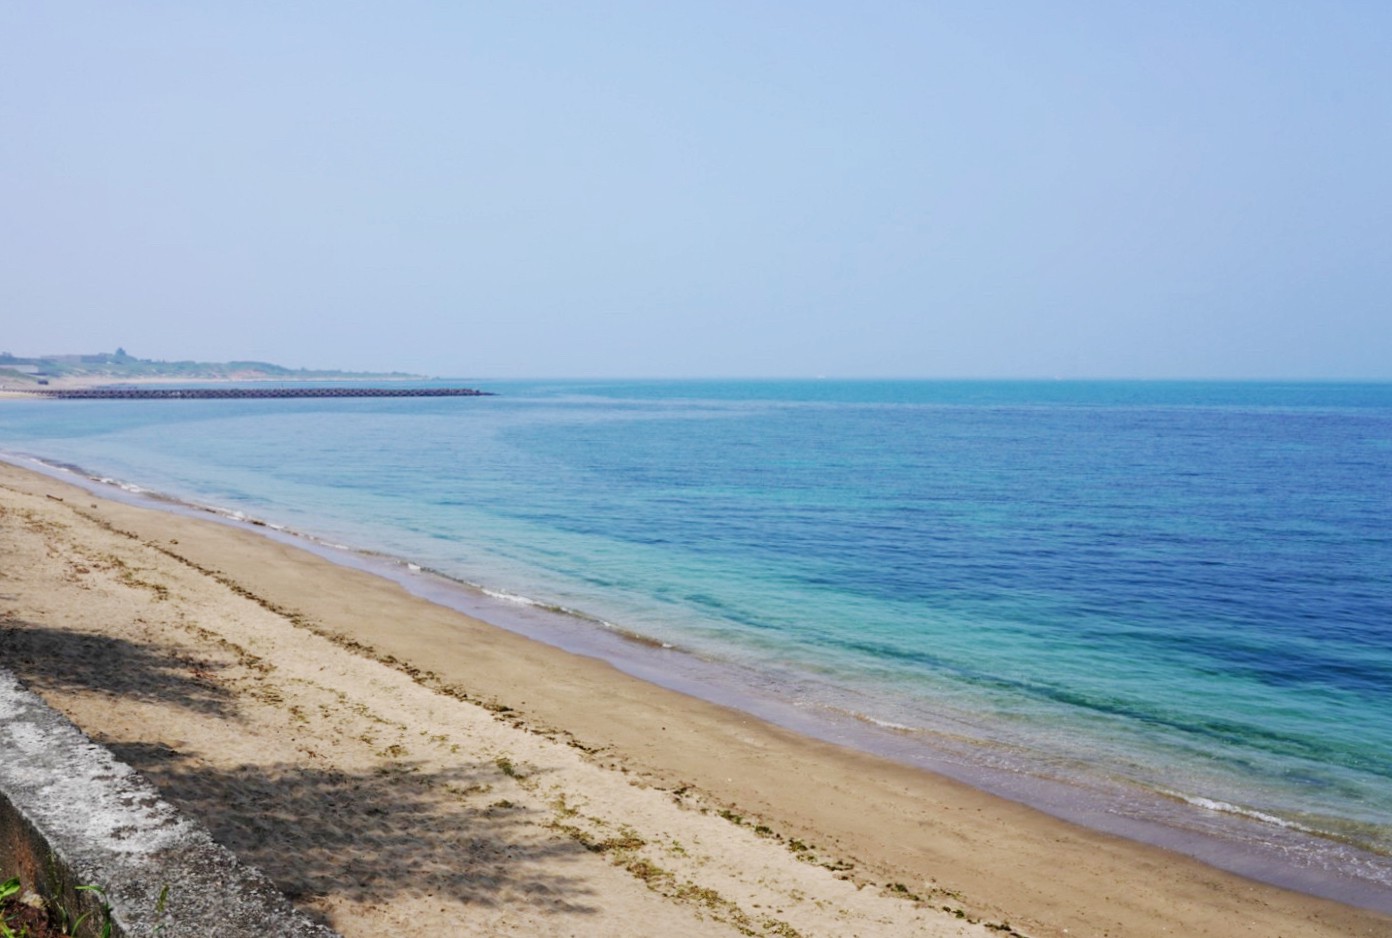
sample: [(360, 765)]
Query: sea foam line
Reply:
[(1224, 807)]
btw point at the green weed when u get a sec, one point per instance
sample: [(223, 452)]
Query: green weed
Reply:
[(11, 888), (105, 912)]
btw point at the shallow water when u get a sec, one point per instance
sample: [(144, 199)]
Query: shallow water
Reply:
[(1173, 598)]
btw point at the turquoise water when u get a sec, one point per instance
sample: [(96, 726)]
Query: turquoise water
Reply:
[(1172, 598)]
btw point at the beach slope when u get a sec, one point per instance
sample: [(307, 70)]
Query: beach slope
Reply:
[(392, 764)]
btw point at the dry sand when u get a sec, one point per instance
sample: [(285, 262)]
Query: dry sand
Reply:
[(393, 764)]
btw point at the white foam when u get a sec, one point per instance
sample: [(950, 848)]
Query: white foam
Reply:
[(507, 597), (1223, 807)]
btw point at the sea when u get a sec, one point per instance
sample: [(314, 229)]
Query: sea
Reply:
[(1161, 609)]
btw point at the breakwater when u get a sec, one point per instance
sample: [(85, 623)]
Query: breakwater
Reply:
[(241, 393)]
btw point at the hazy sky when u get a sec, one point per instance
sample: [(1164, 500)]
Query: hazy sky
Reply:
[(1032, 189)]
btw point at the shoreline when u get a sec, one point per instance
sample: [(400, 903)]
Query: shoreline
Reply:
[(1004, 861), (1227, 837)]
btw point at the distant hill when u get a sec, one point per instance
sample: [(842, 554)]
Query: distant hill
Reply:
[(118, 365)]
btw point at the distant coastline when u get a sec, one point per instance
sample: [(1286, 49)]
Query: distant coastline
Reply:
[(87, 370), (237, 391), (21, 376)]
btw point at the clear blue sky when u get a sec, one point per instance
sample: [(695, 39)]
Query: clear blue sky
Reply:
[(993, 189)]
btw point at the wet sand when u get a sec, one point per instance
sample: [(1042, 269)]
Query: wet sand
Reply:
[(392, 763)]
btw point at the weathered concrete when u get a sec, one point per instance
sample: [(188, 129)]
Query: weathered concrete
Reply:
[(71, 815)]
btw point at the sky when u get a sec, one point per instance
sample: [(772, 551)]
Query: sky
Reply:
[(703, 189)]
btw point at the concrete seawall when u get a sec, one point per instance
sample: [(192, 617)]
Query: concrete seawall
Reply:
[(71, 816)]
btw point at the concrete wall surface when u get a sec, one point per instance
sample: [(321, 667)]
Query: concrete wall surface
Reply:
[(71, 815)]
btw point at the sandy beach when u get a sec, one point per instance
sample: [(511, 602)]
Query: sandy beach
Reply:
[(393, 764)]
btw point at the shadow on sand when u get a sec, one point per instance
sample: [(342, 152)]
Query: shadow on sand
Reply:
[(77, 661), (372, 836), (388, 832)]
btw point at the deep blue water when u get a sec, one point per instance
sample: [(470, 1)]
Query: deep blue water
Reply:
[(1181, 592)]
